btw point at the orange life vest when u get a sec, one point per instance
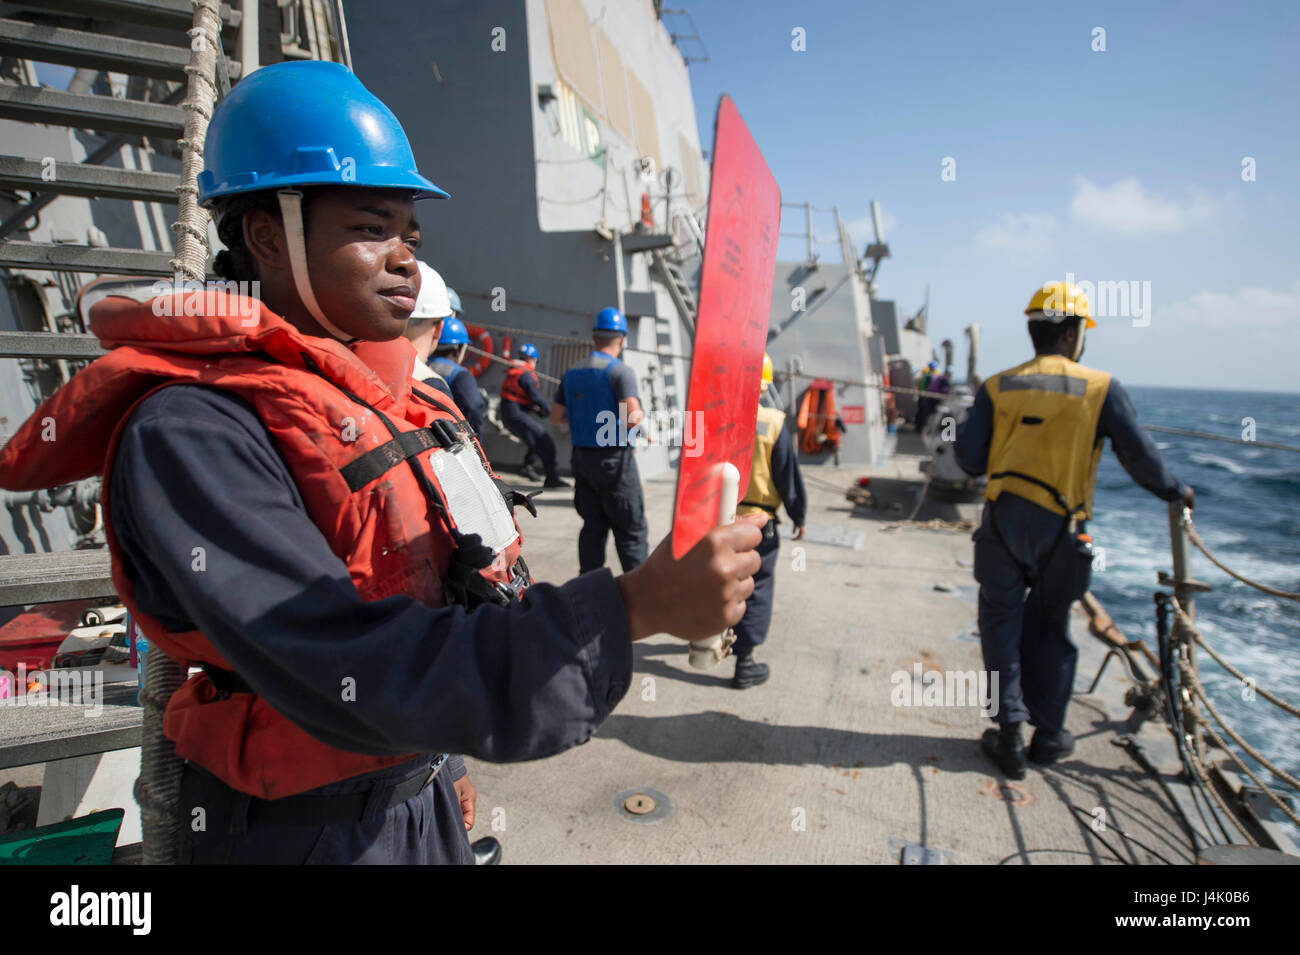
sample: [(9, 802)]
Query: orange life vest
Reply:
[(510, 389), (816, 422), (353, 436)]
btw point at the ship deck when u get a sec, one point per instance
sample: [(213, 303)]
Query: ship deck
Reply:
[(818, 765)]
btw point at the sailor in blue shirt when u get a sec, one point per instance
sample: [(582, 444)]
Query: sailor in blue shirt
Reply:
[(597, 400), (446, 362)]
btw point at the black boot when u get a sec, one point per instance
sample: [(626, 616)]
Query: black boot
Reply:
[(748, 672), (1005, 747), (553, 479), (530, 471), (1048, 747), (487, 851)]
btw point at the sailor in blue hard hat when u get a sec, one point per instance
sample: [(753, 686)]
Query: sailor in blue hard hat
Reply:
[(522, 403), (447, 357), (597, 400), (295, 151), (313, 187)]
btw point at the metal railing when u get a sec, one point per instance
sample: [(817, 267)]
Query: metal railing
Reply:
[(1192, 713)]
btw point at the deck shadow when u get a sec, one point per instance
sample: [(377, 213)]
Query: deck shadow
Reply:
[(719, 737), (895, 498)]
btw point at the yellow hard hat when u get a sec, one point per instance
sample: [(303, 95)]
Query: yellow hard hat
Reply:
[(1057, 300), (767, 369)]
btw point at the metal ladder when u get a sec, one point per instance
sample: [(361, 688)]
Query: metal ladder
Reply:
[(42, 38), (682, 294), (74, 33)]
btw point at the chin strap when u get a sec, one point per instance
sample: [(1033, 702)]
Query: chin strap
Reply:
[(296, 236), (1078, 345)]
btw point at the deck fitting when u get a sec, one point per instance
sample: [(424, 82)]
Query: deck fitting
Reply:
[(643, 805)]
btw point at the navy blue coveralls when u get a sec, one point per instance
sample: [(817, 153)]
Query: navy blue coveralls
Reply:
[(607, 485), (464, 390), (1025, 639), (524, 426), (195, 467), (753, 627)]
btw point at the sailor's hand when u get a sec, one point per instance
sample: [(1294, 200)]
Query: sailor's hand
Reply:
[(468, 797), (1189, 498), (700, 595), (798, 532)]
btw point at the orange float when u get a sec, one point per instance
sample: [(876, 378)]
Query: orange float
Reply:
[(481, 339)]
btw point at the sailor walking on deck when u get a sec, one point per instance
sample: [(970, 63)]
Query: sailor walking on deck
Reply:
[(1038, 431), (774, 479), (597, 401), (522, 403)]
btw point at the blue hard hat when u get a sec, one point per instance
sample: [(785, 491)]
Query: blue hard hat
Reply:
[(455, 301), (610, 320), (453, 333), (306, 123), (529, 350)]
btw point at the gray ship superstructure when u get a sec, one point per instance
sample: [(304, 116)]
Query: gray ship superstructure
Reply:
[(566, 134)]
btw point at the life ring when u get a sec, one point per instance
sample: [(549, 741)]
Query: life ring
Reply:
[(481, 339)]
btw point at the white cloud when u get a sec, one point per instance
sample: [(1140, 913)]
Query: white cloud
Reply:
[(1126, 206), (863, 231), (1019, 234), (1247, 307)]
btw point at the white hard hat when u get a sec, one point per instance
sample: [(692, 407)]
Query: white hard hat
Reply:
[(432, 301)]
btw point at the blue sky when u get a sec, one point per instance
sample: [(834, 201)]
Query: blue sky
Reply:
[(1116, 166)]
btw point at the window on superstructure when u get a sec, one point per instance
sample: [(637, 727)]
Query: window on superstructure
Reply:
[(579, 126)]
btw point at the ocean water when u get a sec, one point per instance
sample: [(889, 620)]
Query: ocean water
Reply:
[(1248, 513)]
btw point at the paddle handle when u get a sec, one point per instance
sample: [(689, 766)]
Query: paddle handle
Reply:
[(708, 653)]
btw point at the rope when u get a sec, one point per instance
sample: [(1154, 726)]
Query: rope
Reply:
[(1207, 785), (191, 226), (507, 361), (1187, 622), (1185, 625), (933, 524), (1221, 437), (863, 384), (1195, 538), (1277, 800), (1190, 678), (157, 790), (1149, 427)]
